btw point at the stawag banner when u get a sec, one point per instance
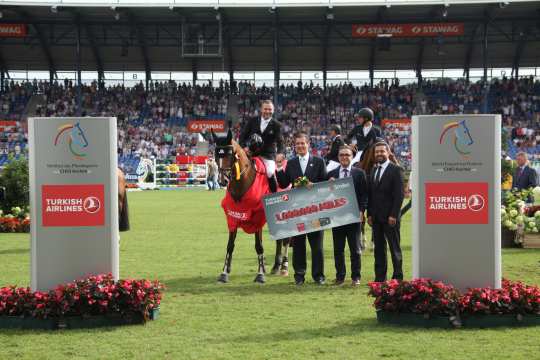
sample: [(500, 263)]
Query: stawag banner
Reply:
[(301, 210)]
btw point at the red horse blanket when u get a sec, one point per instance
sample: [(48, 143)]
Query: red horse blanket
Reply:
[(248, 213)]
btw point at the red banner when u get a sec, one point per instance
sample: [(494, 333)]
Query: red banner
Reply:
[(73, 205), (202, 125), (186, 159), (407, 30), (12, 30), (457, 203), (396, 122)]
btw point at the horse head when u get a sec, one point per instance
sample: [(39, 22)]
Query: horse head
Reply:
[(78, 137), (230, 157)]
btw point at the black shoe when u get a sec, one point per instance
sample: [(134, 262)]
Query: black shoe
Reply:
[(355, 282), (338, 282), (299, 281), (320, 281)]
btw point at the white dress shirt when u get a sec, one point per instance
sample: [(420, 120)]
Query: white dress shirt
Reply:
[(303, 162), (342, 172), (264, 124), (366, 130), (383, 166)]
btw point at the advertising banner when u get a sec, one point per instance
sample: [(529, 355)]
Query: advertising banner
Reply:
[(196, 126), (301, 210), (408, 30), (73, 199), (12, 30), (456, 199)]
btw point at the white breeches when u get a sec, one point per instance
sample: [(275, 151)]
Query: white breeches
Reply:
[(270, 166)]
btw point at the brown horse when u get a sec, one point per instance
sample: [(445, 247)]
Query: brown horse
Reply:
[(123, 218), (240, 172)]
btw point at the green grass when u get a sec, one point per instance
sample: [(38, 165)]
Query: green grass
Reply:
[(180, 238)]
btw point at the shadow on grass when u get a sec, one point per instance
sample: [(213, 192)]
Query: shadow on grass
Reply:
[(341, 330), (14, 251), (244, 285)]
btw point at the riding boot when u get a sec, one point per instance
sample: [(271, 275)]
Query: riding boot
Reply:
[(272, 183)]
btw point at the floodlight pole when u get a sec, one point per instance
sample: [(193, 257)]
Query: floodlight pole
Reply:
[(275, 57), (79, 82)]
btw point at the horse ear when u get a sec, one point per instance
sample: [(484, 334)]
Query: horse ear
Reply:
[(229, 136)]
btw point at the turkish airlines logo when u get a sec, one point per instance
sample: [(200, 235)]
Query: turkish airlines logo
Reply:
[(476, 202), (285, 197), (91, 205), (457, 203), (73, 205)]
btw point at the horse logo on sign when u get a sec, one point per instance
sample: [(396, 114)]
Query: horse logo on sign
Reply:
[(461, 137), (75, 137)]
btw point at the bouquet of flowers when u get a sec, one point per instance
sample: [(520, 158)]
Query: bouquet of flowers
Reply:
[(301, 181)]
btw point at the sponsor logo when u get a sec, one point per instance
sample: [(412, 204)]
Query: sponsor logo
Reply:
[(315, 224), (476, 202), (285, 197), (12, 30), (457, 203), (237, 215), (204, 125), (75, 139), (301, 227), (325, 221), (460, 137), (91, 205), (73, 205)]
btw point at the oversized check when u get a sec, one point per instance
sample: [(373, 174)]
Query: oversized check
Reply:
[(301, 210)]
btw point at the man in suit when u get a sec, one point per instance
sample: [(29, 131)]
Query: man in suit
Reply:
[(386, 193), (269, 129), (331, 157), (525, 177), (314, 168), (351, 232), (364, 133)]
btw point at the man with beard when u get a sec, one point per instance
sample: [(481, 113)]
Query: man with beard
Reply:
[(269, 131), (386, 193)]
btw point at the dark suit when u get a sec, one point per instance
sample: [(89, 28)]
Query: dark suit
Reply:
[(525, 179), (272, 136), (350, 232), (315, 172), (337, 142), (385, 199), (362, 141)]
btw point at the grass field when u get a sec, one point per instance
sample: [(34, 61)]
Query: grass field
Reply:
[(180, 238)]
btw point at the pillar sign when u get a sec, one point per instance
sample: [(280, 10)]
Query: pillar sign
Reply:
[(73, 199), (456, 199)]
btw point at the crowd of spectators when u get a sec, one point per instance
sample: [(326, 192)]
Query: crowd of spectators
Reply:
[(152, 122)]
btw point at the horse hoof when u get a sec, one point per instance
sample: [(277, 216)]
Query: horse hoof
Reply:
[(260, 279), (223, 278)]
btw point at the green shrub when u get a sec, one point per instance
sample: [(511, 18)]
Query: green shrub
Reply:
[(14, 178)]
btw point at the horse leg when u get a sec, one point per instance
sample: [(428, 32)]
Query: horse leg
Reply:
[(284, 270), (260, 257), (224, 276), (278, 257)]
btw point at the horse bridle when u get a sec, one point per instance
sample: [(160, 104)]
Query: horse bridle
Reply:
[(223, 152)]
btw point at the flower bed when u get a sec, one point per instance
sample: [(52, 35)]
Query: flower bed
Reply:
[(18, 220), (95, 297), (514, 304)]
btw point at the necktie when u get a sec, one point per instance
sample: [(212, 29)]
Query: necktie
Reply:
[(378, 175), (345, 173), (520, 172), (303, 164)]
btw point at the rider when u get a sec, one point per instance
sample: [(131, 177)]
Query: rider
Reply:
[(365, 133), (269, 131)]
